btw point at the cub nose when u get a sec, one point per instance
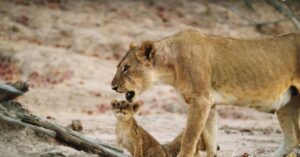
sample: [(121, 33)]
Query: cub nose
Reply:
[(115, 88)]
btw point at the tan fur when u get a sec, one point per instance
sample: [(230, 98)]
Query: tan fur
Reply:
[(173, 148), (131, 136), (138, 141), (207, 70)]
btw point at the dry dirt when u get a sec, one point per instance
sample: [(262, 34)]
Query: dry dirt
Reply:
[(68, 51)]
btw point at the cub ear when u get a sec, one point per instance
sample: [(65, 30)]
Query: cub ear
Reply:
[(146, 52), (113, 103), (136, 106), (132, 45)]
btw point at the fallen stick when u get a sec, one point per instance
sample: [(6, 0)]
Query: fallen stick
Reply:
[(11, 91), (281, 7), (251, 22), (13, 112), (33, 127), (67, 134), (64, 135)]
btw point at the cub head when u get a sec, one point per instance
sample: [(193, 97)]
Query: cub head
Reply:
[(135, 71), (124, 110)]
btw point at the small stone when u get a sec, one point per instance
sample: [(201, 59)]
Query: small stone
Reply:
[(76, 125), (278, 131)]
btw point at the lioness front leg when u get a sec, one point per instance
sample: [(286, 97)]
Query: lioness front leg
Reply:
[(197, 115), (195, 86), (210, 133), (207, 141), (288, 117)]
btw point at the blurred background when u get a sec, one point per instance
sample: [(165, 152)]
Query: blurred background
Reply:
[(68, 51)]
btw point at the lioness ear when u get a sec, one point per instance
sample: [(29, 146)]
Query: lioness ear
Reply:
[(132, 45), (146, 52), (136, 106), (113, 103)]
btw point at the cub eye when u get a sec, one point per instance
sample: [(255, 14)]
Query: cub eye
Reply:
[(126, 67)]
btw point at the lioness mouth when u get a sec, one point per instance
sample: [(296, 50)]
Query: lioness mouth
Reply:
[(130, 96)]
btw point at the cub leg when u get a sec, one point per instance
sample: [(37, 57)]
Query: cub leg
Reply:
[(156, 152), (288, 117), (173, 147), (138, 148)]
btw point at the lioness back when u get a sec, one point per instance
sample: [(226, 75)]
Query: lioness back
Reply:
[(260, 73)]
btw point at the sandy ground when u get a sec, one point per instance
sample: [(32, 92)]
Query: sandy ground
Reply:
[(68, 51)]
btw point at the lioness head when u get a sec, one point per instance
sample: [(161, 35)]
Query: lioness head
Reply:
[(134, 74), (124, 110)]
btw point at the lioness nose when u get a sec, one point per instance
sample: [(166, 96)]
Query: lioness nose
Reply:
[(115, 88)]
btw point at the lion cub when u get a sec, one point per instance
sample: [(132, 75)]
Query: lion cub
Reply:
[(131, 136)]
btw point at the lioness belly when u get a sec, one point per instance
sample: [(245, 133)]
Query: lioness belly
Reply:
[(264, 104)]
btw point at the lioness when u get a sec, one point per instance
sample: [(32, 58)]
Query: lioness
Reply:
[(138, 141), (259, 73)]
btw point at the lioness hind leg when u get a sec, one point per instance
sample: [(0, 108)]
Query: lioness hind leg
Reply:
[(288, 117)]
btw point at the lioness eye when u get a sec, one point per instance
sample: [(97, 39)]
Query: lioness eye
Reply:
[(126, 67)]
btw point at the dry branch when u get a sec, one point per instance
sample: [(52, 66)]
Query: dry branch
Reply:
[(13, 112), (73, 138), (33, 127), (11, 91), (251, 22), (281, 7)]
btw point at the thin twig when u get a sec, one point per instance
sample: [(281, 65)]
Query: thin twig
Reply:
[(281, 7), (252, 22)]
